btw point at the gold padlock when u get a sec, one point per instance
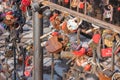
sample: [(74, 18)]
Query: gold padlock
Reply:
[(108, 43)]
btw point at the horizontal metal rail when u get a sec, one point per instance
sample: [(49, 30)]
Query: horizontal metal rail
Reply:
[(97, 22)]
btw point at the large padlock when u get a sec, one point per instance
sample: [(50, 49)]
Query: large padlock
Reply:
[(53, 45), (103, 53), (108, 40), (108, 37), (106, 52)]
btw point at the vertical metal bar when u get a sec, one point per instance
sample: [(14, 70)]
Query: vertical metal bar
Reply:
[(52, 67), (78, 36), (24, 56), (85, 7), (78, 6), (38, 51), (14, 52), (113, 56), (113, 61), (107, 2), (41, 49), (94, 60), (70, 4)]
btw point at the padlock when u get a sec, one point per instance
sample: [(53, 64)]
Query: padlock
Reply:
[(64, 27), (52, 18), (53, 45), (66, 1), (27, 61), (28, 71), (56, 23), (81, 52), (72, 25), (26, 2), (96, 38), (107, 52), (55, 34), (87, 67), (108, 37), (74, 3), (108, 43), (28, 66), (23, 8)]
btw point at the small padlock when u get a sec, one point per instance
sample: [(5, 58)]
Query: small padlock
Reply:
[(87, 67), (81, 52)]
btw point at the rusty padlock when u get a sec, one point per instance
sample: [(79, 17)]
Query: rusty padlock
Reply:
[(53, 45)]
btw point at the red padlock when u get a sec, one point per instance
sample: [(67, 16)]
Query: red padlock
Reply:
[(27, 60), (96, 38), (107, 52), (23, 8), (9, 13), (26, 2), (28, 71), (81, 52), (87, 67), (52, 18), (55, 34), (118, 8), (66, 1)]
